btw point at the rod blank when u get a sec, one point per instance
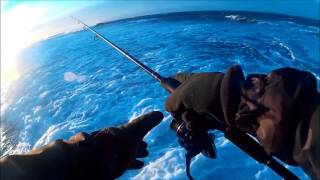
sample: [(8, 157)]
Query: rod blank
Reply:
[(152, 73)]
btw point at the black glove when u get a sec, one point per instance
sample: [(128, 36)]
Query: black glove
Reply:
[(104, 154), (213, 93), (125, 144)]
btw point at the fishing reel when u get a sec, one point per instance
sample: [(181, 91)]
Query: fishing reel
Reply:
[(194, 142)]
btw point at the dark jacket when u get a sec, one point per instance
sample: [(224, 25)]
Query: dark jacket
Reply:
[(282, 110)]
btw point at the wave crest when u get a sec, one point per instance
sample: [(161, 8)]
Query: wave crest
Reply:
[(240, 18)]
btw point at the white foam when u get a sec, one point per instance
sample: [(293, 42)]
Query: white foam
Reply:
[(109, 84), (292, 56), (142, 111), (141, 102), (317, 76), (169, 166), (22, 99), (232, 17), (188, 28), (22, 147), (236, 17), (268, 23), (221, 142), (44, 94), (71, 76), (142, 107), (142, 20), (261, 174), (36, 109), (48, 136), (57, 105), (95, 109)]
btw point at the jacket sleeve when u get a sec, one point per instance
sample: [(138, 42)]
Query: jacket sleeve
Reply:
[(282, 110), (59, 160), (307, 145), (289, 99)]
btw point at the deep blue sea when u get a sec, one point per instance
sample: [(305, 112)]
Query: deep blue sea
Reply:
[(72, 82)]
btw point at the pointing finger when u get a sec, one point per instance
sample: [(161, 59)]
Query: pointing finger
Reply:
[(135, 164), (142, 153), (143, 145), (140, 126)]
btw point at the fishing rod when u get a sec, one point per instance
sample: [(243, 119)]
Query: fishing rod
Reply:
[(203, 142)]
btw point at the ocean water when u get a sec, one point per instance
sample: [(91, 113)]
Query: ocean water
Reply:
[(73, 83)]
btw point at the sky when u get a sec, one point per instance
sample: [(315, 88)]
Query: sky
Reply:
[(25, 22)]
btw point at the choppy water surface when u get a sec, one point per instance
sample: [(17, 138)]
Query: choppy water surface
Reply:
[(74, 83)]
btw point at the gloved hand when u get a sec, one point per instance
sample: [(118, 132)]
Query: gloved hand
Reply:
[(281, 109), (124, 144), (214, 93), (104, 154)]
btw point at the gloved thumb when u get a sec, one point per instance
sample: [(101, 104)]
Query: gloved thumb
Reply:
[(140, 126)]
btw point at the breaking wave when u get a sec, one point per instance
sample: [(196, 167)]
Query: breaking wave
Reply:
[(240, 18)]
